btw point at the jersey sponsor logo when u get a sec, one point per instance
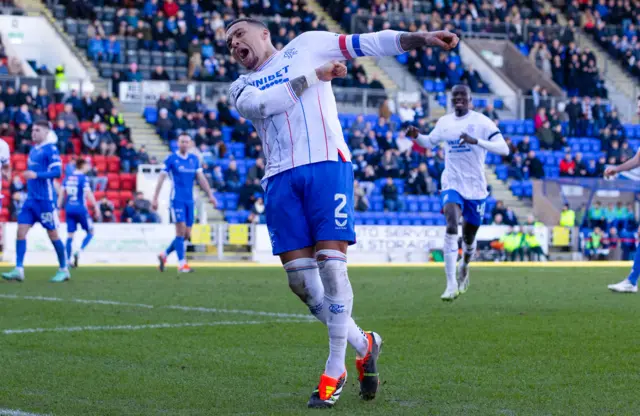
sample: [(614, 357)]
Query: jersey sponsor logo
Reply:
[(336, 308), (290, 53), (269, 81)]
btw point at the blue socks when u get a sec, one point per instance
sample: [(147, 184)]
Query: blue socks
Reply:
[(21, 250), (171, 248), (60, 251), (69, 247), (635, 270), (86, 241), (179, 247)]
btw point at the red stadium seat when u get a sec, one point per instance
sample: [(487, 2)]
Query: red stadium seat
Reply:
[(4, 215), (77, 146), (113, 164), (125, 196), (114, 196), (99, 195), (100, 162), (11, 142), (128, 181), (117, 214), (114, 181), (84, 125), (62, 214), (6, 199), (19, 162), (51, 111), (59, 107)]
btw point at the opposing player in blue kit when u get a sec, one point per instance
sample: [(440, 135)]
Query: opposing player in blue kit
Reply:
[(308, 183), (183, 168), (75, 191), (44, 166)]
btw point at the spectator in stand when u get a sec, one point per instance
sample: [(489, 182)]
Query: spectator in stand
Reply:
[(87, 107), (38, 115), (517, 168), (159, 74), (106, 209), (224, 113), (232, 177), (143, 156), (581, 167), (574, 111), (96, 50), (115, 119), (75, 102), (112, 49), (109, 144), (546, 137), (24, 96), (6, 129), (540, 118), (256, 171), (128, 158), (23, 116), (497, 220), (69, 117), (389, 165), (249, 192), (16, 204), (134, 75), (64, 134), (217, 179), (567, 166), (392, 202), (90, 141), (23, 138), (103, 104), (510, 217), (241, 131), (361, 202), (534, 166), (144, 209), (164, 125), (490, 112), (525, 145)]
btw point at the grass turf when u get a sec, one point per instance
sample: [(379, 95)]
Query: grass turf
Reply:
[(522, 341)]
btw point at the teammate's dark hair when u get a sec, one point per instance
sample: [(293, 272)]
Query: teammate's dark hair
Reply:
[(80, 163), (185, 135), (248, 20), (42, 123)]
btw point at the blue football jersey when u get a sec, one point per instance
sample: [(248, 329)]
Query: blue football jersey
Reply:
[(76, 187), (182, 170), (45, 160)]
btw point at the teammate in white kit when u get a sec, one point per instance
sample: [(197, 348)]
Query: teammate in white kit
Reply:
[(468, 136), (309, 177)]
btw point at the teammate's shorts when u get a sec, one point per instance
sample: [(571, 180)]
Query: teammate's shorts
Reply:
[(44, 212), (182, 212), (82, 218), (310, 203), (472, 209)]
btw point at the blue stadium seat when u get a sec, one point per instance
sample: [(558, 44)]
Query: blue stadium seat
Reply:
[(429, 85), (498, 104), (226, 133), (151, 115), (440, 87)]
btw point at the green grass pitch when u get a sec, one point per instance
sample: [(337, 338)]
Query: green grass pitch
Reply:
[(522, 341)]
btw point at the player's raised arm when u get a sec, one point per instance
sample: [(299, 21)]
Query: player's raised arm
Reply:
[(425, 140), (494, 142), (383, 43), (253, 103), (630, 164)]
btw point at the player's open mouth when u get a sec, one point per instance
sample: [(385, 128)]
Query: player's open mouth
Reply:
[(243, 53)]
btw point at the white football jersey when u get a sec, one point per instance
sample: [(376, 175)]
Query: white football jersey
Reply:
[(5, 158), (303, 129), (464, 163)]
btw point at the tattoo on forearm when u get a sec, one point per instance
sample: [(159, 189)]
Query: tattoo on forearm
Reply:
[(299, 85), (410, 41)]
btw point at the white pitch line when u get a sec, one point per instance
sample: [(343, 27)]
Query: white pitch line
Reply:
[(174, 307), (140, 327), (12, 412)]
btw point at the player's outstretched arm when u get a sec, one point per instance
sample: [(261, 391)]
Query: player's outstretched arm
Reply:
[(253, 103), (156, 194), (204, 183), (495, 143), (630, 164), (424, 140), (383, 43)]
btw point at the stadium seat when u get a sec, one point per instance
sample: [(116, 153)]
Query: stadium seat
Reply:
[(114, 197), (124, 197), (113, 164), (10, 142), (114, 181), (100, 163)]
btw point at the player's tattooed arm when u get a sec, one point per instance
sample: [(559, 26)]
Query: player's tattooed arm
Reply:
[(440, 39), (299, 85)]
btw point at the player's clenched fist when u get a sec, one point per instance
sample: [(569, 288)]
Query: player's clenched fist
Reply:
[(610, 172), (413, 132), (331, 70)]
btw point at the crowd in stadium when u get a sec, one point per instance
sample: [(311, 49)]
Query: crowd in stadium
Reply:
[(89, 127)]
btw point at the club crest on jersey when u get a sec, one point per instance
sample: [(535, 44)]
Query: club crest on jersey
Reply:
[(290, 53), (336, 309)]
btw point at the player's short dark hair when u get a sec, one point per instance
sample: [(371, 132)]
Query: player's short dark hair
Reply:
[(80, 163), (185, 135), (248, 20), (42, 123)]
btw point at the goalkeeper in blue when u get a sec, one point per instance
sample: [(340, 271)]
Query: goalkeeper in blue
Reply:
[(72, 197), (630, 284), (44, 166), (183, 167)]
